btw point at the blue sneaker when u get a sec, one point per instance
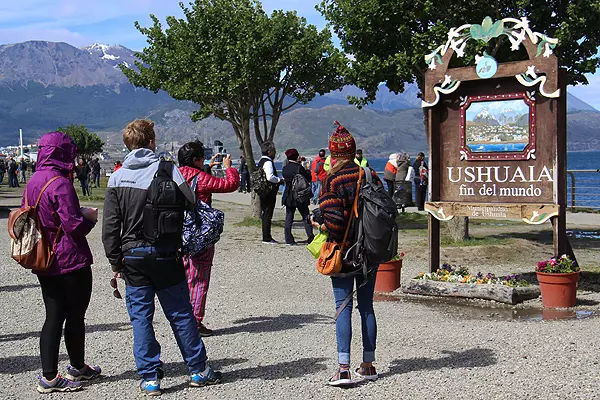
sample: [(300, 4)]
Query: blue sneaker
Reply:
[(206, 377), (151, 388), (86, 373), (58, 384)]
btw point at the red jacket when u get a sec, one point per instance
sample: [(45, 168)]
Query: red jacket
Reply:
[(208, 184), (316, 169)]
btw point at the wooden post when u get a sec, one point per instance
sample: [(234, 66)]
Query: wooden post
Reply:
[(433, 131), (560, 222)]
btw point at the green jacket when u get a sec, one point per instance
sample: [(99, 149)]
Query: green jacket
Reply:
[(362, 163)]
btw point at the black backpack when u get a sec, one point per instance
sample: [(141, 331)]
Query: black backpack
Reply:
[(164, 210), (301, 189), (377, 233), (260, 185)]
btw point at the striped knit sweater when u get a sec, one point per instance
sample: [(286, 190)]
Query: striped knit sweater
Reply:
[(336, 200)]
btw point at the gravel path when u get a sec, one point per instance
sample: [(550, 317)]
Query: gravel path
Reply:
[(275, 340)]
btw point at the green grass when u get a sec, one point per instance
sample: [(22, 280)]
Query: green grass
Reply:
[(412, 218), (475, 241)]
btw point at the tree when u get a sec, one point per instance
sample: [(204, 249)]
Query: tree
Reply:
[(238, 64), (389, 38), (88, 144)]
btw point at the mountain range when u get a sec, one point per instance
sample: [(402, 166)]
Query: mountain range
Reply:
[(44, 85)]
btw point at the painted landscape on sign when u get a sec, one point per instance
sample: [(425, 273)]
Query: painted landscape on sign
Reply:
[(499, 126)]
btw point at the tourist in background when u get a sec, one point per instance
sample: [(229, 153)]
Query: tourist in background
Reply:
[(67, 284), (268, 200), (23, 169), (13, 181), (389, 174), (360, 160), (244, 175), (151, 271), (2, 171), (421, 180), (197, 269), (403, 183), (318, 174), (83, 173), (96, 172), (117, 166), (293, 168), (336, 203), (33, 167)]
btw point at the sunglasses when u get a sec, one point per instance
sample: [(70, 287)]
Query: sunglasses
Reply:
[(113, 284)]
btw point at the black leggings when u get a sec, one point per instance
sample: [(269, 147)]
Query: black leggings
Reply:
[(66, 298)]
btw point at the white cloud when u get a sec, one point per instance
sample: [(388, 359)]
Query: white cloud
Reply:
[(51, 35)]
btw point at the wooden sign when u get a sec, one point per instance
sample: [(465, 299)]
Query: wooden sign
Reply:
[(497, 131)]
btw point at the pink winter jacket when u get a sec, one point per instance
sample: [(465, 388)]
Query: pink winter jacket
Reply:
[(208, 184)]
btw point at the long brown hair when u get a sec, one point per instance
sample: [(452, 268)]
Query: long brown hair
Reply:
[(338, 165)]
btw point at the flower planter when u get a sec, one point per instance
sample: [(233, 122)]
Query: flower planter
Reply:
[(500, 293), (558, 290), (388, 276)]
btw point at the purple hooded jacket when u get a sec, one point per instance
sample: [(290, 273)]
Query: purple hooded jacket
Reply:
[(60, 205)]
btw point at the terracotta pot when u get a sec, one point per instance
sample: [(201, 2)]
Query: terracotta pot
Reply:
[(558, 290), (388, 276)]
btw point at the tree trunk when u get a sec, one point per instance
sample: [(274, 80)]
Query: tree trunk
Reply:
[(458, 227)]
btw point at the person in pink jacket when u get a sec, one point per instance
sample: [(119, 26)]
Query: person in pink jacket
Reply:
[(197, 269)]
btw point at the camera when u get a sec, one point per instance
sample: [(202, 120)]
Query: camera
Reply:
[(317, 216)]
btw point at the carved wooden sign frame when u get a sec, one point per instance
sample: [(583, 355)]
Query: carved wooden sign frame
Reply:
[(486, 163)]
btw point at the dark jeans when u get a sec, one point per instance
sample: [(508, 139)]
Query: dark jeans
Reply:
[(289, 220), (245, 182), (85, 188), (342, 288), (12, 179), (1, 177), (175, 302), (66, 298), (390, 187), (267, 206), (421, 194), (97, 180)]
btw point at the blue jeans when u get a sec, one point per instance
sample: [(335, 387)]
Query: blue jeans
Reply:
[(342, 288), (175, 302), (316, 189)]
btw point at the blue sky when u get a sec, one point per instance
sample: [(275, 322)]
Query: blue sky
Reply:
[(83, 22)]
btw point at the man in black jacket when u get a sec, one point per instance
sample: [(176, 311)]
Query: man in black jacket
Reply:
[(12, 173), (292, 169), (268, 200), (151, 269)]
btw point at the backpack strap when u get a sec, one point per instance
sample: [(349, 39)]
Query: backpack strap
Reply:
[(165, 168), (41, 192), (368, 174), (353, 211)]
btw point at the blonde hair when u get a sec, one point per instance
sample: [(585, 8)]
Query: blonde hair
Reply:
[(338, 165), (138, 134)]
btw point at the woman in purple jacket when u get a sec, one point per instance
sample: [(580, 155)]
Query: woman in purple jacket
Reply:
[(67, 284)]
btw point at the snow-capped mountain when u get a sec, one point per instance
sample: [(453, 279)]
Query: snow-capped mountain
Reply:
[(112, 54), (485, 117)]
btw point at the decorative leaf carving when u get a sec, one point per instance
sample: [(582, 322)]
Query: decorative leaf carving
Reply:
[(476, 32)]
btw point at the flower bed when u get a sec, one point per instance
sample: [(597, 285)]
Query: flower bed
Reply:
[(450, 281), (453, 274)]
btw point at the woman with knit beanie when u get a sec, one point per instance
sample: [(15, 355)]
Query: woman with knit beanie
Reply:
[(336, 200)]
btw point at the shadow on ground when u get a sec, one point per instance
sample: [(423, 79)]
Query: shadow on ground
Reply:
[(115, 327), (19, 364), (284, 370), (18, 288), (472, 358), (274, 324)]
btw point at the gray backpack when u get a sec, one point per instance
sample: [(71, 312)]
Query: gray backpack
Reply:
[(301, 189)]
